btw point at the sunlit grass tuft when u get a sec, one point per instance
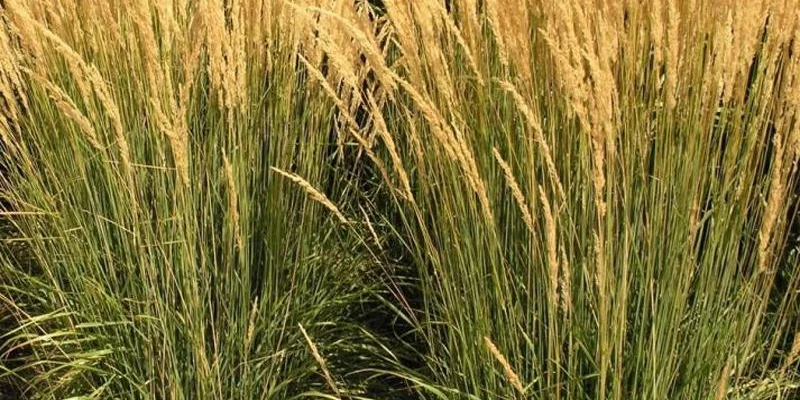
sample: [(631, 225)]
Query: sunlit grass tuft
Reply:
[(417, 199)]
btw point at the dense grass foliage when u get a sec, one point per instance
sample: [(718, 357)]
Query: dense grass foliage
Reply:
[(267, 199)]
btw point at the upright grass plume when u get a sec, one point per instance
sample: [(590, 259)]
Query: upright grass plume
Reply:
[(399, 199), (150, 251), (600, 187)]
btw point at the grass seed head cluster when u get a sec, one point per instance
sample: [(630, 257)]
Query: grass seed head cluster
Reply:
[(574, 199)]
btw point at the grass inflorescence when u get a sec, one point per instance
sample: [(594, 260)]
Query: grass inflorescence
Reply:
[(273, 199)]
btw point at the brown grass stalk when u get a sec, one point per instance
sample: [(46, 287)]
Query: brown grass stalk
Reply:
[(67, 106), (512, 376), (551, 242), (533, 123), (233, 199), (722, 384), (321, 361), (516, 191), (315, 194)]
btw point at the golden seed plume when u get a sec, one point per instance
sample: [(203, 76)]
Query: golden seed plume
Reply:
[(220, 53), (101, 91), (471, 22), (251, 324), (515, 190), (722, 384), (370, 49), (22, 20), (238, 53), (76, 69), (75, 63), (493, 14), (399, 13), (12, 91), (723, 57), (694, 220), (429, 23), (566, 283), (571, 41), (572, 77), (456, 32), (453, 143), (321, 361), (598, 175), (512, 376), (416, 143), (775, 204), (794, 352), (469, 166), (673, 54), (384, 134), (312, 192), (657, 32), (67, 106), (106, 21), (342, 64), (326, 86), (533, 123), (142, 17), (551, 245), (510, 23), (600, 269), (233, 199), (371, 229), (177, 132), (748, 20)]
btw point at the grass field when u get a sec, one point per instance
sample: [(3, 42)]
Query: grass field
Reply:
[(399, 199)]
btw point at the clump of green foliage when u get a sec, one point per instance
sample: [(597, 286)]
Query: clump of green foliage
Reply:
[(467, 199)]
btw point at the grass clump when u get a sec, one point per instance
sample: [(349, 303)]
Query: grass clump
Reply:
[(411, 199), (152, 251), (594, 198)]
